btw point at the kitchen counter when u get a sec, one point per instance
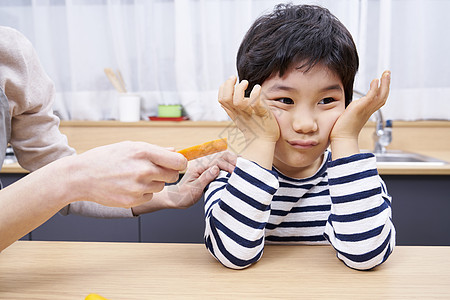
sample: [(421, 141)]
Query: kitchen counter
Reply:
[(407, 185), (431, 138), (72, 270)]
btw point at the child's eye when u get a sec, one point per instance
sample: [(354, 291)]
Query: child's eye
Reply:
[(285, 100), (327, 100)]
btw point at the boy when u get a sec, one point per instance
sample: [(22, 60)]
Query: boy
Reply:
[(287, 187)]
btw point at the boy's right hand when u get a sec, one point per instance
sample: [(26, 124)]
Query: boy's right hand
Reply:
[(251, 115), (253, 118)]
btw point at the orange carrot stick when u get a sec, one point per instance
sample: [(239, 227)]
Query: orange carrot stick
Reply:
[(204, 149)]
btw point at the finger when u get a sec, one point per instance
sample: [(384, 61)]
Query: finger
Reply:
[(148, 173), (384, 85), (220, 95), (372, 93), (206, 177), (167, 175), (228, 91), (228, 156), (239, 100), (375, 101), (226, 165), (257, 104), (165, 158), (225, 160), (154, 187)]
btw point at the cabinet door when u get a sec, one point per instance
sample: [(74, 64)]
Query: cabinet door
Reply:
[(8, 178), (174, 225), (420, 208), (78, 228)]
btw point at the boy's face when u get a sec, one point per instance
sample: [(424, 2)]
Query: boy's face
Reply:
[(306, 106)]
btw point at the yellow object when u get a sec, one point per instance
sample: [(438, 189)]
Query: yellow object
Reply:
[(94, 297), (204, 149)]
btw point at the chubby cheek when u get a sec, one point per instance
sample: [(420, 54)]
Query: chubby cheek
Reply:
[(278, 114), (328, 120)]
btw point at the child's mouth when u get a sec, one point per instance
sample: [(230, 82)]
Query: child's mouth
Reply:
[(302, 144)]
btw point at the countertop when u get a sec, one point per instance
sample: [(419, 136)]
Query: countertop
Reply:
[(431, 138), (72, 270)]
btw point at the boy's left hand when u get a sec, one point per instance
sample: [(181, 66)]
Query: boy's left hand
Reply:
[(199, 174), (345, 132), (188, 191)]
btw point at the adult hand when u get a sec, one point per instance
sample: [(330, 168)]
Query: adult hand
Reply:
[(125, 174), (189, 190)]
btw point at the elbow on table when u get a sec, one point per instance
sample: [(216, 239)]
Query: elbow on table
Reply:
[(229, 265), (368, 264), (231, 260)]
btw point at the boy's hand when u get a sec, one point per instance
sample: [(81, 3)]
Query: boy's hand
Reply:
[(199, 174), (253, 118), (189, 189), (251, 115), (345, 132)]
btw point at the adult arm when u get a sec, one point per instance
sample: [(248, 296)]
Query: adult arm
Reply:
[(35, 134), (120, 175)]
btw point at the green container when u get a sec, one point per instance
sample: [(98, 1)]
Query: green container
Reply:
[(169, 111)]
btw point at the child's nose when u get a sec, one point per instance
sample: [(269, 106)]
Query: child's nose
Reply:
[(304, 122)]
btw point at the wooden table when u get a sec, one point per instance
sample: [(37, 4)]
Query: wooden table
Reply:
[(72, 270)]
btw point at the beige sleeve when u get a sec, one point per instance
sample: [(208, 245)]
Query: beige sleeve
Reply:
[(35, 134)]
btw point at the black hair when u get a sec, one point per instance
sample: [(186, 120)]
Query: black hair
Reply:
[(294, 34)]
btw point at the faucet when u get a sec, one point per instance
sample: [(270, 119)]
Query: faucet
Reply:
[(383, 132)]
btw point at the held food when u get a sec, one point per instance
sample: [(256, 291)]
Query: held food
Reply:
[(204, 149)]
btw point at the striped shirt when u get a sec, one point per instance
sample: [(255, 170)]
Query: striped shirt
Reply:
[(345, 204)]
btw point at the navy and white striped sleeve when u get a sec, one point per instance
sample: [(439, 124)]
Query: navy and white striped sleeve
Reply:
[(360, 224), (237, 208)]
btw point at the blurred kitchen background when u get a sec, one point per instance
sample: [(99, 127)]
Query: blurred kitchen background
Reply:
[(180, 51)]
